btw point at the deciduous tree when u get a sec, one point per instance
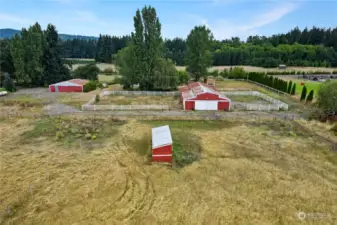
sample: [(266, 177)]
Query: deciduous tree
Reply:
[(198, 56)]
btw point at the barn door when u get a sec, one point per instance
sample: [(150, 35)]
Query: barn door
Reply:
[(56, 88), (206, 105)]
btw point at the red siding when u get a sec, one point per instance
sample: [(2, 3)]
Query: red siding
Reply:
[(165, 150), (70, 88), (207, 96), (167, 159), (189, 105), (162, 154), (52, 88), (223, 106)]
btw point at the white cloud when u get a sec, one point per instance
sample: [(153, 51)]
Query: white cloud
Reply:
[(70, 22), (13, 20), (224, 28)]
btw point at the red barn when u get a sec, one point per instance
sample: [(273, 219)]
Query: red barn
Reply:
[(161, 144), (200, 96), (74, 85)]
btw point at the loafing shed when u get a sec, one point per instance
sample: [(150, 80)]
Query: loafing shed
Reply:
[(74, 85), (161, 144), (199, 96)]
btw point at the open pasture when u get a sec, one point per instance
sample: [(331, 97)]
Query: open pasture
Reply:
[(172, 102), (96, 171)]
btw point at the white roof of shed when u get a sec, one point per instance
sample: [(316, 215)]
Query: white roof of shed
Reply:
[(66, 83), (161, 136)]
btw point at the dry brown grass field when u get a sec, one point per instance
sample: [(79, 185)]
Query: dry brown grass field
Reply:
[(103, 66), (96, 171), (173, 102)]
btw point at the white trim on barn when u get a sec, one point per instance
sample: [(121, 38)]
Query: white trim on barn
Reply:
[(161, 136)]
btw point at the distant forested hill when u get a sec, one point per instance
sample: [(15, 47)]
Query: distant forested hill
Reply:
[(7, 33)]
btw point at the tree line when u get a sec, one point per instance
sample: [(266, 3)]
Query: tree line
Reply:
[(308, 47), (36, 57)]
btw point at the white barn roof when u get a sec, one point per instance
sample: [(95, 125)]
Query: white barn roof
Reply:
[(161, 136), (66, 83)]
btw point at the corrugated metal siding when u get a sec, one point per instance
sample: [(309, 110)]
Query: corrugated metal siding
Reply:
[(165, 150), (161, 136), (69, 88)]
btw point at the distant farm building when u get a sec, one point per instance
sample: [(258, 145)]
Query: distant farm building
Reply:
[(282, 67), (74, 85), (200, 96), (161, 144)]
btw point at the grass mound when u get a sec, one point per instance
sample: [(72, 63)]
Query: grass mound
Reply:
[(186, 148), (72, 130)]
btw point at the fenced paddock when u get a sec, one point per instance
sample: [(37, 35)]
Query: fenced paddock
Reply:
[(142, 93), (274, 104), (123, 107)]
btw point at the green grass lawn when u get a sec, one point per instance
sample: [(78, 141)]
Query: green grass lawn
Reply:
[(106, 78), (309, 84), (2, 89)]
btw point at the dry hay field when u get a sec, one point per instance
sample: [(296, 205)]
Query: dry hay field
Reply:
[(103, 66), (261, 69), (172, 101), (67, 170)]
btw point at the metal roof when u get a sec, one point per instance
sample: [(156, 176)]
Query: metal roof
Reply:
[(161, 136), (66, 83), (197, 88), (73, 82)]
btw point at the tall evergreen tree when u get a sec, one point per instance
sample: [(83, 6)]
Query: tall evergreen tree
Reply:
[(310, 97), (304, 93), (18, 55), (33, 43), (6, 60), (293, 91), (53, 70), (290, 85), (198, 55)]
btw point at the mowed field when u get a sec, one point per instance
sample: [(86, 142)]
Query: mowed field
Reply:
[(311, 85), (97, 171)]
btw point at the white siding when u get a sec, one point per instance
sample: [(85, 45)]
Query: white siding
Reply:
[(206, 105)]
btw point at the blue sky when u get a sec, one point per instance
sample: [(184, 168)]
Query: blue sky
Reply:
[(226, 18)]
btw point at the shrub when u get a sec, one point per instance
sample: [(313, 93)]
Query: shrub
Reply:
[(327, 96), (97, 98), (237, 73), (304, 93), (310, 97), (8, 83), (91, 85), (183, 77), (109, 71), (89, 72)]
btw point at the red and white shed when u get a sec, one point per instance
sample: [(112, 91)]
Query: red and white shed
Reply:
[(161, 144), (200, 96), (74, 85)]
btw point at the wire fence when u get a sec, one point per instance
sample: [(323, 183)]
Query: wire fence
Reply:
[(123, 107), (142, 93), (276, 104)]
